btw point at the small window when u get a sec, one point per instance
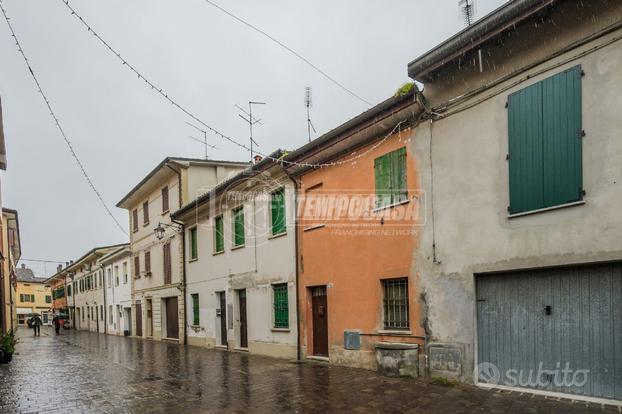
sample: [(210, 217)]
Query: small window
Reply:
[(69, 290), (396, 303), (238, 226), (146, 213), (109, 314), (135, 220), (148, 261), (164, 199), (136, 267), (195, 309), (48, 298), (281, 306), (390, 176), (166, 254), (277, 211), (109, 277), (194, 249), (219, 235)]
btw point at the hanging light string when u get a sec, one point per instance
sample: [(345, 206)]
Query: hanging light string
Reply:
[(160, 91), (57, 122), (290, 50)]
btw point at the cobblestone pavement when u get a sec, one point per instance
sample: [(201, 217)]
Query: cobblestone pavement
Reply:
[(91, 373)]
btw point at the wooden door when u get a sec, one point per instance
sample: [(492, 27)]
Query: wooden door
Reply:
[(139, 320), (223, 318), (320, 321), (172, 318), (243, 320)]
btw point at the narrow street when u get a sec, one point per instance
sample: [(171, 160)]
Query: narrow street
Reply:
[(94, 373)]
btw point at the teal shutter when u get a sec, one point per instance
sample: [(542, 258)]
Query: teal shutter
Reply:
[(195, 309), (238, 226), (281, 306), (562, 130), (399, 192), (194, 250), (382, 173), (278, 211), (220, 237), (544, 131)]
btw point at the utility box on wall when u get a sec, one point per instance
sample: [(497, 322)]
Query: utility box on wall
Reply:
[(352, 340)]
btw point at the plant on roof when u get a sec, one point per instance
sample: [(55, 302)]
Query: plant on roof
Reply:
[(404, 89)]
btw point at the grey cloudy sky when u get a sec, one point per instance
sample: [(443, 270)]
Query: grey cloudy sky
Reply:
[(208, 62)]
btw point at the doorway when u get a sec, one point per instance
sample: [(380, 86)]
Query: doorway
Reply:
[(222, 314), (139, 320), (320, 321), (243, 320), (149, 318), (172, 318)]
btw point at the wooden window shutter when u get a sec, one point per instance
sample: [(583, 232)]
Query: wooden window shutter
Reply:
[(148, 261), (194, 249), (165, 199), (399, 192), (278, 211), (135, 220), (219, 234), (195, 309), (167, 263), (382, 175), (146, 212), (136, 266), (238, 226)]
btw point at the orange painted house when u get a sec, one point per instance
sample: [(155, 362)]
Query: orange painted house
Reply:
[(358, 219)]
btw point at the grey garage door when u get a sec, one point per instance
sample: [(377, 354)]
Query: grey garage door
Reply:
[(552, 329)]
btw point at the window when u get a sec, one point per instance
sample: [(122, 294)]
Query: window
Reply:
[(109, 277), (69, 289), (396, 303), (135, 220), (277, 210), (116, 275), (83, 313), (281, 307), (48, 298), (164, 199), (101, 279), (148, 261), (146, 213), (219, 235), (544, 141), (109, 314), (101, 313), (124, 272), (238, 226), (195, 309), (194, 249), (167, 262), (136, 267), (390, 176)]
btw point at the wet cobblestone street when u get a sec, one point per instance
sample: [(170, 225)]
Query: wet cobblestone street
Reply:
[(91, 373)]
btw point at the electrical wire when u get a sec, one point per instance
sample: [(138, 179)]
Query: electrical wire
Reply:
[(57, 122), (41, 261), (173, 102), (289, 49)]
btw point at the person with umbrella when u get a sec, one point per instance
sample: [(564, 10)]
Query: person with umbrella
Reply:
[(36, 323)]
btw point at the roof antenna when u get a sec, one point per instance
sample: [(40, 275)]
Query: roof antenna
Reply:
[(309, 104), (202, 141), (251, 121), (467, 11)]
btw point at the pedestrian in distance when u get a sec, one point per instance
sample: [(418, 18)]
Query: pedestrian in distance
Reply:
[(56, 323), (36, 324)]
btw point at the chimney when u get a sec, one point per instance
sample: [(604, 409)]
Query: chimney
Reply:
[(257, 158), (23, 266), (59, 268)]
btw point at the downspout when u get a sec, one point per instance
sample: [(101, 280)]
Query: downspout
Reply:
[(105, 304), (297, 277), (183, 254)]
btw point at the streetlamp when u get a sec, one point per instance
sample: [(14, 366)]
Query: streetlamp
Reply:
[(161, 229)]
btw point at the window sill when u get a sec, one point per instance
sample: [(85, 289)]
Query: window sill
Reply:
[(314, 227), (145, 224), (280, 329), (165, 212), (276, 236), (193, 260), (241, 246), (377, 209), (217, 253), (542, 210), (395, 331)]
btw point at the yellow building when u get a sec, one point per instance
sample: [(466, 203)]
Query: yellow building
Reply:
[(32, 296)]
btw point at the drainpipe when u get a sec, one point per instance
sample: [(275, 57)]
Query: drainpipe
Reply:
[(183, 255), (296, 187), (105, 304)]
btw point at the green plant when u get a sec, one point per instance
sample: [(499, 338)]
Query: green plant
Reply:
[(405, 89), (444, 381), (8, 342)]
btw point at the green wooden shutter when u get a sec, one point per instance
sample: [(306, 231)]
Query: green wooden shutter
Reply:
[(525, 149), (281, 306), (278, 211), (545, 148), (399, 191), (238, 226), (382, 173), (220, 237), (195, 309), (194, 249), (562, 131)]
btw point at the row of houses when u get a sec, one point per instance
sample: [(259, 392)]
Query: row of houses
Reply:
[(470, 219)]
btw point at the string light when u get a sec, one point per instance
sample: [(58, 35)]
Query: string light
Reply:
[(211, 129), (57, 121)]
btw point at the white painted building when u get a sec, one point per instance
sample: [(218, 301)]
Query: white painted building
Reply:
[(156, 262), (241, 263), (116, 268)]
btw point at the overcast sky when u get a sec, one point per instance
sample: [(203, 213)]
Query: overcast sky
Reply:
[(208, 62)]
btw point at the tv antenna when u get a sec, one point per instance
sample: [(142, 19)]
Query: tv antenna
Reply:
[(251, 121), (309, 104), (467, 11), (202, 141)]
